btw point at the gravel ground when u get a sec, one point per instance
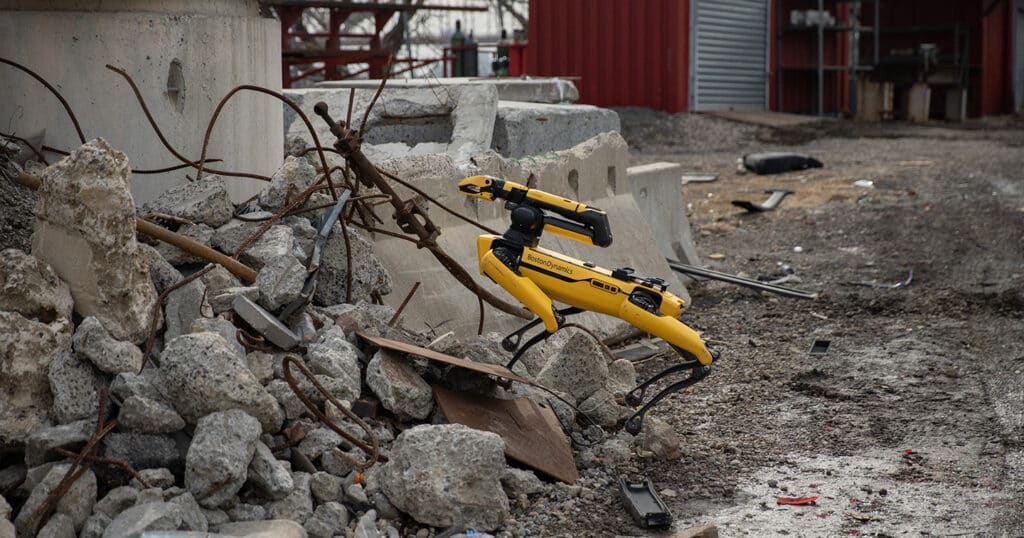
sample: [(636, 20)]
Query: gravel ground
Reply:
[(911, 423)]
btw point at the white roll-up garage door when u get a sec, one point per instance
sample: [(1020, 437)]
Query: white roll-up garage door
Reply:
[(729, 55)]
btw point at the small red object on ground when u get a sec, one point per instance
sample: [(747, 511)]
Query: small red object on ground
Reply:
[(797, 501), (908, 451)]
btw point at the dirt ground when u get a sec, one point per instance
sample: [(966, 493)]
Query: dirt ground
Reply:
[(911, 423)]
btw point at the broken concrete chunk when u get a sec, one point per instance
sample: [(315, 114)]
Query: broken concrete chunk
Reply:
[(94, 526), (520, 482), (261, 365), (85, 229), (39, 445), (579, 369), (400, 389), (325, 487), (116, 501), (219, 279), (26, 349), (110, 355), (75, 387), (280, 282), (157, 478), (202, 374), (31, 288), (473, 121), (247, 512), (192, 517), (131, 384), (224, 300), (297, 505), (223, 327), (184, 305), (335, 357), (59, 526), (328, 520), (205, 201), (276, 242), (133, 522), (219, 456), (139, 414), (200, 233), (621, 376), (294, 177), (161, 273), (602, 408), (660, 438), (269, 474), (144, 450), (77, 503), (368, 273), (448, 475)]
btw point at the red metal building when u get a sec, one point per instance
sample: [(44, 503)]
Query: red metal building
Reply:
[(675, 55)]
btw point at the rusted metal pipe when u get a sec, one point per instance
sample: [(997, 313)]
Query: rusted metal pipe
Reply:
[(160, 233)]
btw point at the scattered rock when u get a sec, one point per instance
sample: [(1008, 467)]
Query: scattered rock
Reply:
[(75, 388), (157, 478), (202, 374), (298, 505), (161, 273), (276, 242), (184, 306), (143, 415), (400, 389), (367, 525), (280, 282), (205, 201), (143, 450), (660, 438), (31, 288), (40, 443), (77, 503), (224, 300), (355, 495), (94, 526), (334, 356), (328, 520), (116, 501), (602, 408), (150, 495), (579, 369), (368, 273), (220, 326), (110, 355), (615, 452), (200, 233), (217, 460), (26, 349), (247, 512), (519, 481), (261, 365), (325, 487), (85, 229), (219, 279), (59, 526), (157, 516), (192, 517), (269, 474), (448, 474), (384, 507), (621, 376), (294, 177)]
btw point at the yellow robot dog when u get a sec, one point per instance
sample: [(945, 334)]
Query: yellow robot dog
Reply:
[(537, 276)]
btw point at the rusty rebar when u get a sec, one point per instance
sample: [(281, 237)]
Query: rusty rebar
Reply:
[(63, 102), (108, 461), (171, 168), (283, 99), (154, 313), (401, 307), (433, 200), (372, 449)]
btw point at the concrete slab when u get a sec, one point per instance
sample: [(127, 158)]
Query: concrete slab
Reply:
[(532, 90), (523, 129), (659, 195)]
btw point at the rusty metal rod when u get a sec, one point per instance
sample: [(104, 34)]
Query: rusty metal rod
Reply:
[(160, 233)]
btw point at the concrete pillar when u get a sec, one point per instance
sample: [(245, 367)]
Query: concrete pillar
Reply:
[(184, 55)]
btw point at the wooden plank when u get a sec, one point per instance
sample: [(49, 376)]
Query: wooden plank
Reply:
[(530, 430), (487, 369)]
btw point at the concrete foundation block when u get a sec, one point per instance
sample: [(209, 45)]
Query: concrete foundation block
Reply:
[(523, 129), (659, 195), (531, 90)]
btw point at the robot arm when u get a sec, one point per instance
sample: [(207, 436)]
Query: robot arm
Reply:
[(575, 221)]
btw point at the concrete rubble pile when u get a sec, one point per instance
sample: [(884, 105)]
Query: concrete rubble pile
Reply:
[(220, 441)]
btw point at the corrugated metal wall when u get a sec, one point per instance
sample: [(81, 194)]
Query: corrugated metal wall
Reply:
[(730, 55), (625, 53)]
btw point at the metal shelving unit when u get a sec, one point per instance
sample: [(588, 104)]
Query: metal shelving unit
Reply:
[(852, 26)]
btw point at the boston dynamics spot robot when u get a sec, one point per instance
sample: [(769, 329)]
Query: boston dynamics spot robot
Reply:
[(537, 277)]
